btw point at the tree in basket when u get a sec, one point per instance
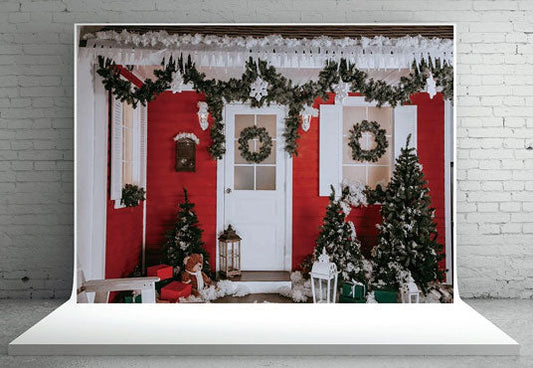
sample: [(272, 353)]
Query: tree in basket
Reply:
[(339, 239), (407, 237), (185, 238)]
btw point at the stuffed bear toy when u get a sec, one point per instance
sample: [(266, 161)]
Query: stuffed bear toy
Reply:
[(193, 273)]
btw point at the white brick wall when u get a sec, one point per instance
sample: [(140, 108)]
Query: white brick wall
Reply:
[(494, 129)]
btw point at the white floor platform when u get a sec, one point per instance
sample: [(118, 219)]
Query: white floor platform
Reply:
[(264, 329)]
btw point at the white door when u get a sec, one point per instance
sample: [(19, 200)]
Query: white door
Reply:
[(254, 194)]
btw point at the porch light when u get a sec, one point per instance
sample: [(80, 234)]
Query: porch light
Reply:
[(324, 275), (230, 252), (203, 114), (307, 114)]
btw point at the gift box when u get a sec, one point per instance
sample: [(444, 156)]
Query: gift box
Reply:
[(347, 299), (162, 271), (161, 284), (132, 299), (354, 290), (175, 290), (385, 296)]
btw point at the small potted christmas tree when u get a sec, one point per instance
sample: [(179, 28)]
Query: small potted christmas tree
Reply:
[(338, 237), (407, 237), (185, 238)]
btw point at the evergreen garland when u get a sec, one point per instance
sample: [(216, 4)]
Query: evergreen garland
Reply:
[(338, 237), (407, 237), (356, 133), (280, 90), (185, 238), (264, 139)]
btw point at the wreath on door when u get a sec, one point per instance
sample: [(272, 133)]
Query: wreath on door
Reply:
[(356, 133), (259, 133)]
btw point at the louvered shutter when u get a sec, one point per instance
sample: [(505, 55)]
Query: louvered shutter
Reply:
[(143, 145), (330, 148), (116, 149), (404, 124)]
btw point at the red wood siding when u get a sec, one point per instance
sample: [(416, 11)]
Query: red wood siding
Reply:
[(309, 208), (168, 115), (124, 226)]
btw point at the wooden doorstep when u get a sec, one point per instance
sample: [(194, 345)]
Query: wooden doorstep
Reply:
[(258, 276)]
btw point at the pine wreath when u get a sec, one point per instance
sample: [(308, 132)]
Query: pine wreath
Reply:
[(356, 133), (262, 135)]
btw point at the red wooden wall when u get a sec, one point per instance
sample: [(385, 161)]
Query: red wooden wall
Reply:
[(168, 115), (309, 208), (124, 226)]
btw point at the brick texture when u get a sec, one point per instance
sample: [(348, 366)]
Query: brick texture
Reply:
[(494, 128)]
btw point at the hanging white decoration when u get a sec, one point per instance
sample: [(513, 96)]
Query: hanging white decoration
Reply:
[(307, 113), (341, 91), (177, 83), (203, 113), (431, 86), (190, 136), (258, 89)]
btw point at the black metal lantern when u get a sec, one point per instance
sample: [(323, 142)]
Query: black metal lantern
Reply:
[(230, 252)]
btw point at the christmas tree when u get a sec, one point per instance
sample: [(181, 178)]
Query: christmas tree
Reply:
[(185, 238), (407, 239), (339, 239)]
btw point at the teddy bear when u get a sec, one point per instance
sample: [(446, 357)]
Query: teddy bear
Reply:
[(193, 273)]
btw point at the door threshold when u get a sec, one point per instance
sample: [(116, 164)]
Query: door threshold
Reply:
[(261, 276)]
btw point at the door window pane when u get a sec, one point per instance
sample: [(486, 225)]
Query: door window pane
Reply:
[(354, 174), (266, 178), (242, 121), (352, 115), (244, 178), (269, 123), (378, 175), (383, 115)]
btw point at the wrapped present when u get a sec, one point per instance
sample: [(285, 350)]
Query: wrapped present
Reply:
[(162, 271), (347, 299), (161, 284), (353, 289), (175, 290), (133, 298), (385, 296)]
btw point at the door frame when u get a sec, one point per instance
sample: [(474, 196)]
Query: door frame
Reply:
[(221, 185)]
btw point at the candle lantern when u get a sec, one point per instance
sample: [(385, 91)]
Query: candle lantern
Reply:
[(410, 292), (324, 275), (230, 252)]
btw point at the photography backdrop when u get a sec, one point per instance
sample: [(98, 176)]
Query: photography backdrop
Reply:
[(494, 128)]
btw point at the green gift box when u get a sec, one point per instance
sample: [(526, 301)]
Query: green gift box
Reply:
[(354, 290), (347, 299), (385, 296), (130, 299)]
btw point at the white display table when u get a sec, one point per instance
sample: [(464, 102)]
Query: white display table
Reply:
[(264, 329)]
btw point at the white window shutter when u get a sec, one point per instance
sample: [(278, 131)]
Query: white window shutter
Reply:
[(404, 124), (330, 149), (143, 144), (116, 149)]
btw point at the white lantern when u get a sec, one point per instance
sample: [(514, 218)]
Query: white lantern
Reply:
[(324, 275), (410, 292)]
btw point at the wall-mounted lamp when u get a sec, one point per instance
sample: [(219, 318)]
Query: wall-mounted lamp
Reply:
[(307, 114), (203, 114)]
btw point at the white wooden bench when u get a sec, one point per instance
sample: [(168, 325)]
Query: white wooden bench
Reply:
[(143, 285)]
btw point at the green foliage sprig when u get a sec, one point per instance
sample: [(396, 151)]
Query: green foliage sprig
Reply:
[(264, 139), (131, 195), (356, 133), (280, 90)]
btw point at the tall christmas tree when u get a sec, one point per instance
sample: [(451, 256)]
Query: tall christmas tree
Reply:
[(339, 239), (185, 238), (407, 238)]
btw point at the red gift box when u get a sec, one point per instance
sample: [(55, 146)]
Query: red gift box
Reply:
[(175, 290), (162, 271)]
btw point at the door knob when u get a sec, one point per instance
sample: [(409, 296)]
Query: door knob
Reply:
[(228, 190)]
